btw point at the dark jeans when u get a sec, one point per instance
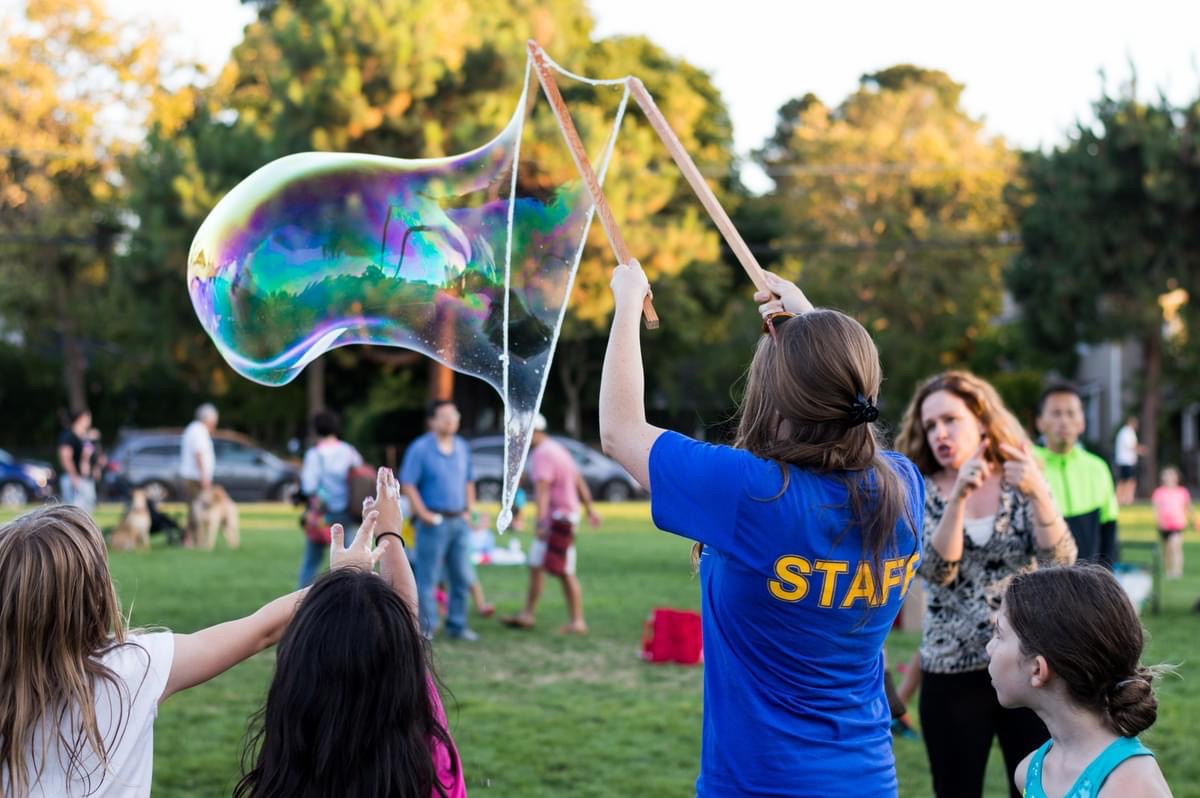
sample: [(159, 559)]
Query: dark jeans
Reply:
[(444, 548), (959, 717)]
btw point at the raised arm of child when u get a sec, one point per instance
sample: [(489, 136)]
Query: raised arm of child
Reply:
[(394, 566), (202, 655)]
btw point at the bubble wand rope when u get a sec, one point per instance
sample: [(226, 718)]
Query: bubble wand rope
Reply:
[(579, 155)]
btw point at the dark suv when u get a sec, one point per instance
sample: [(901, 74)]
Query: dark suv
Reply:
[(149, 459), (605, 477)]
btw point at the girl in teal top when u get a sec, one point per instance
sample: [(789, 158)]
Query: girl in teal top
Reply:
[(1067, 644)]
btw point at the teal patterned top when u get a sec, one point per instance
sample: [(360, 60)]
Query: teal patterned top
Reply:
[(1092, 778)]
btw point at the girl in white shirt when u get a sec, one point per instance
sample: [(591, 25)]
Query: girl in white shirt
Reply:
[(78, 691)]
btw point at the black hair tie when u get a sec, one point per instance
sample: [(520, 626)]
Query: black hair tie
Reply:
[(861, 411)]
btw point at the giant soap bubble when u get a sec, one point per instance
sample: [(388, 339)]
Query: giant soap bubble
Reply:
[(453, 257)]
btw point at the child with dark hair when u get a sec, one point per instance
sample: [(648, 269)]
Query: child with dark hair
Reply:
[(353, 710), (1067, 644)]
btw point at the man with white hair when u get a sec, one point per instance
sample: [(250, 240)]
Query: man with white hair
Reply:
[(196, 463)]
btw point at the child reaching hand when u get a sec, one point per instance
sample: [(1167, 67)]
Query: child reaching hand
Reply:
[(353, 709), (1067, 644), (1172, 509), (78, 691)]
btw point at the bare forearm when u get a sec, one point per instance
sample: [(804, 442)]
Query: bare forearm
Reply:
[(210, 652), (470, 497), (67, 462), (948, 535), (543, 504), (414, 498), (396, 570), (1049, 526), (622, 381), (585, 493)]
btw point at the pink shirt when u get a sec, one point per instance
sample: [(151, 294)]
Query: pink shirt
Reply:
[(1170, 507), (551, 462), (453, 783)]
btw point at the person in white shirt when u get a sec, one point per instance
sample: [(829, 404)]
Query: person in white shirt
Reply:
[(196, 463), (80, 692), (1126, 457)]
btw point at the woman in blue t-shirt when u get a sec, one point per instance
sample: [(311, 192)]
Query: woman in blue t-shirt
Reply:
[(807, 539)]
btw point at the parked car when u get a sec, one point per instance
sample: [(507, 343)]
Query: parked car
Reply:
[(149, 459), (605, 477), (24, 481)]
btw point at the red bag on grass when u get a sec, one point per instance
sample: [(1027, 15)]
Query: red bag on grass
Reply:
[(673, 636)]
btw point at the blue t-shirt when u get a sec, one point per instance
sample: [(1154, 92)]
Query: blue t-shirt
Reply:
[(440, 478), (793, 623)]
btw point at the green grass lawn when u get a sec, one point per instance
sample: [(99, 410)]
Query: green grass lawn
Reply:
[(535, 714)]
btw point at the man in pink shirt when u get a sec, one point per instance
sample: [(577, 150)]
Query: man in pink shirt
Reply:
[(559, 490)]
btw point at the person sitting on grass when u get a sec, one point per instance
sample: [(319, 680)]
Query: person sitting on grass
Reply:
[(808, 536), (353, 710), (79, 692), (1067, 644)]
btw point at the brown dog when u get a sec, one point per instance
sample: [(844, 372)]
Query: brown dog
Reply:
[(134, 530), (215, 510)]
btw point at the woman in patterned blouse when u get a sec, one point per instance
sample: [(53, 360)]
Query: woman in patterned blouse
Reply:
[(989, 515)]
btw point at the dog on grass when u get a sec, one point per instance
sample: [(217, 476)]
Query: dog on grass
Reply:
[(134, 530), (215, 511)]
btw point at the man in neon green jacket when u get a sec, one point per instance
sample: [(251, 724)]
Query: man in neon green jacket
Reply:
[(1081, 482)]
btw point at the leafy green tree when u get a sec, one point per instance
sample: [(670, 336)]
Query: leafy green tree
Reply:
[(1109, 224), (423, 79), (65, 69), (890, 208)]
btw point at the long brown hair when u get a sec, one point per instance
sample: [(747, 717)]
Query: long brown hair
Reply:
[(58, 611), (803, 380), (998, 423), (1080, 619)]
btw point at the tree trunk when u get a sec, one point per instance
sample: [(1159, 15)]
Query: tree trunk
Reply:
[(1148, 424), (441, 378), (441, 381), (315, 389), (74, 366), (572, 375)]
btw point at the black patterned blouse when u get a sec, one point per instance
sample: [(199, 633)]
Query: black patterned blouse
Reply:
[(962, 597)]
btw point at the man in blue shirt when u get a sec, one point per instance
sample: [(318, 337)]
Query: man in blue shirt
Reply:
[(436, 477)]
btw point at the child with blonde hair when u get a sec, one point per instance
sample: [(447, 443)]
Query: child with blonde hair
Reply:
[(78, 691)]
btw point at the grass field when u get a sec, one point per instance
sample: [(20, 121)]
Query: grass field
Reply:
[(535, 714)]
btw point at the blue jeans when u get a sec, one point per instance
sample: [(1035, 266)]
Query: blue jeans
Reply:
[(444, 548), (315, 553), (83, 496)]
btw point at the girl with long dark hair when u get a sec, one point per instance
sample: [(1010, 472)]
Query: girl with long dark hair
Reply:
[(353, 710), (808, 536)]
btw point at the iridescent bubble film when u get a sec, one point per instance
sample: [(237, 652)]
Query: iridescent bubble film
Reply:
[(453, 257)]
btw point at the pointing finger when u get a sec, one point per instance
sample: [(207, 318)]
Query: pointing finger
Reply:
[(1014, 452)]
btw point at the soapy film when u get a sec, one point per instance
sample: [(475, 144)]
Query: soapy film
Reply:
[(468, 259)]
